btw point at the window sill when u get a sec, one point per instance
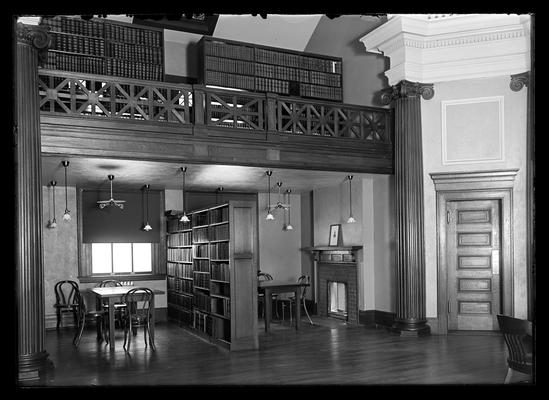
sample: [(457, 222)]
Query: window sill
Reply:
[(99, 278)]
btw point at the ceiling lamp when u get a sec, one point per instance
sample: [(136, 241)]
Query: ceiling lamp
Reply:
[(269, 215), (67, 214), (184, 217), (279, 203), (147, 226), (351, 219), (53, 223), (289, 227), (219, 192), (111, 202)]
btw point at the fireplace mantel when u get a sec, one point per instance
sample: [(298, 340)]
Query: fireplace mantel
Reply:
[(334, 254)]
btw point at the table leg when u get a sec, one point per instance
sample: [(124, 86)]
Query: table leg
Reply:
[(99, 306), (152, 320), (297, 308), (268, 308), (111, 322)]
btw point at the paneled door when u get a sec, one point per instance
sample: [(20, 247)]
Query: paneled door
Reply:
[(473, 246)]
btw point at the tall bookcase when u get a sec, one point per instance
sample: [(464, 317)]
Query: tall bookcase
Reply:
[(211, 268), (257, 68), (103, 47)]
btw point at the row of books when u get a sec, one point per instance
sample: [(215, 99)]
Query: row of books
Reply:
[(180, 239), (219, 251), (229, 80), (179, 270), (219, 215), (180, 285), (320, 64), (134, 70), (150, 55), (277, 72), (75, 26), (220, 271), (201, 218), (180, 254), (201, 265), (200, 234), (272, 85), (78, 44), (230, 65), (201, 280), (175, 225), (133, 35), (220, 289), (75, 63), (322, 78), (180, 315), (219, 232), (202, 301), (323, 92), (201, 250), (203, 322), (276, 57), (221, 306), (222, 49), (180, 300)]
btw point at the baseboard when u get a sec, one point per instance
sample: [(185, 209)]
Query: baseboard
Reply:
[(376, 317)]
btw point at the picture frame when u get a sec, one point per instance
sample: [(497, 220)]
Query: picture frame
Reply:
[(334, 234)]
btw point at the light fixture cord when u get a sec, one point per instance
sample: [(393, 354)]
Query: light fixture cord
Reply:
[(269, 193), (350, 196), (184, 173), (147, 204), (53, 186)]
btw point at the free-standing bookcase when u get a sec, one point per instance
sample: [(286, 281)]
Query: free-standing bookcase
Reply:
[(211, 268)]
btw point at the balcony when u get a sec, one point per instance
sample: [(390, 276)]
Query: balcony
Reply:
[(110, 116)]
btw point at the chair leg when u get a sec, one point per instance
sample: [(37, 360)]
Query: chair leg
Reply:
[(306, 312), (151, 339), (508, 376), (58, 318), (80, 329)]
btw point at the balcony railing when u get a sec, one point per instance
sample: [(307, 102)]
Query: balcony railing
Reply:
[(94, 96)]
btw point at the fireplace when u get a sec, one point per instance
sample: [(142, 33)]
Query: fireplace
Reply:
[(337, 300)]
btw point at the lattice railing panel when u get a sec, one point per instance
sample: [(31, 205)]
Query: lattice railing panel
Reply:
[(97, 96), (235, 110)]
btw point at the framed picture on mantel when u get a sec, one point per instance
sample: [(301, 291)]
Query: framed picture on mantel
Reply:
[(334, 234)]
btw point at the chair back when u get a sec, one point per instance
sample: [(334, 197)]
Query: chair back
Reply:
[(110, 283), (139, 301), (518, 337), (66, 292), (303, 279), (263, 276)]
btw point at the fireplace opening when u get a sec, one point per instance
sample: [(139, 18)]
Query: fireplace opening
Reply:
[(337, 300)]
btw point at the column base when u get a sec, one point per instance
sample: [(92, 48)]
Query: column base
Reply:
[(410, 328), (34, 367)]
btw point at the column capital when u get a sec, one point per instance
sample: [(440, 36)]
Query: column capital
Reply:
[(518, 81), (35, 36), (405, 89)]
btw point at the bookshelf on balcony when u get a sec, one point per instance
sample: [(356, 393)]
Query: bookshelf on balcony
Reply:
[(104, 47), (250, 67), (219, 302)]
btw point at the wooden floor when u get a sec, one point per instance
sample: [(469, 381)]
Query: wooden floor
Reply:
[(328, 353)]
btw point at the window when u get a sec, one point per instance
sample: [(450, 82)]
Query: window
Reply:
[(121, 258)]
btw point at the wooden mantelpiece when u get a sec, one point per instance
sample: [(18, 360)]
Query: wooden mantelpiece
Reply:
[(334, 254)]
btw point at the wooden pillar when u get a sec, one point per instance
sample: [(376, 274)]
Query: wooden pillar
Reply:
[(33, 360), (410, 256)]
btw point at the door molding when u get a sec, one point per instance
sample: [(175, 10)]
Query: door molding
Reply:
[(479, 185)]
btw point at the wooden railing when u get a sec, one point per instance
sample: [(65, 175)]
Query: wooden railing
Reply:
[(84, 95)]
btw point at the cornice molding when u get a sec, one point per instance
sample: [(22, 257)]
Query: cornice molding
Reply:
[(452, 47), (518, 81), (405, 89)]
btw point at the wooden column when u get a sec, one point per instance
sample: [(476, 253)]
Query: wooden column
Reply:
[(33, 359), (410, 256)]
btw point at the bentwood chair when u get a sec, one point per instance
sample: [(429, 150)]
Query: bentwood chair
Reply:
[(518, 338), (65, 302), (117, 306), (263, 276), (138, 313), (290, 301), (83, 314)]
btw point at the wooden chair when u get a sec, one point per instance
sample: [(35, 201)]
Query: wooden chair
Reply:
[(518, 337), (290, 301), (117, 306), (65, 302), (263, 276), (83, 314), (138, 313)]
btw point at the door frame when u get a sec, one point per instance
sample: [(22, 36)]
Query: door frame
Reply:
[(463, 186)]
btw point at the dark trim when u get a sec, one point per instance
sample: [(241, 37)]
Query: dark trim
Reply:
[(147, 277), (366, 317), (376, 317)]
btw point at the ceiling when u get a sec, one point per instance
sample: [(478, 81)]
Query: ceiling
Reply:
[(133, 174)]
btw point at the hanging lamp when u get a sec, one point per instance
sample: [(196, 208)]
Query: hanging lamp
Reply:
[(269, 215), (67, 214), (289, 227), (351, 219), (184, 217), (53, 223), (111, 202), (147, 226)]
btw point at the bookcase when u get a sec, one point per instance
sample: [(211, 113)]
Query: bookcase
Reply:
[(211, 273), (105, 47), (257, 68)]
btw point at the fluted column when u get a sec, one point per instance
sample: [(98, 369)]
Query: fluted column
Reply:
[(410, 257), (32, 358)]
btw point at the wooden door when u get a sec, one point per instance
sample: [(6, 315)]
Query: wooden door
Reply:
[(473, 264)]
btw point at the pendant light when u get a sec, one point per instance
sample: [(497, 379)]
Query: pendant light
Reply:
[(219, 192), (111, 202), (53, 223), (147, 226), (351, 219), (289, 227), (184, 217), (269, 215), (67, 215)]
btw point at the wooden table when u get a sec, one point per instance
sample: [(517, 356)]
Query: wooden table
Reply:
[(270, 287), (113, 295)]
